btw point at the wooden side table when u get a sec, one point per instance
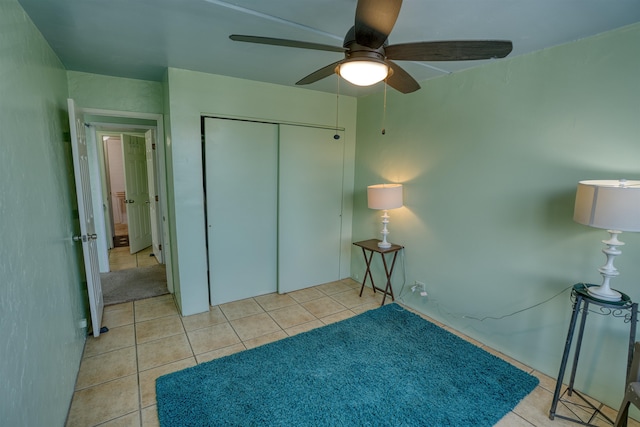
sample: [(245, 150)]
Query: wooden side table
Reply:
[(371, 246)]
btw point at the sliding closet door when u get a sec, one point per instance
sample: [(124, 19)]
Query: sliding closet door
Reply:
[(241, 160), (310, 207)]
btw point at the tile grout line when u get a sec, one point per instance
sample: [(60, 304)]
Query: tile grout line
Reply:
[(186, 333), (137, 373), (231, 324), (135, 340)]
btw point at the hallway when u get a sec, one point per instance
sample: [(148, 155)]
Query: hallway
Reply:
[(121, 259)]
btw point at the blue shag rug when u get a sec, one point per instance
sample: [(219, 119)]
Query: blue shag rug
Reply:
[(385, 367)]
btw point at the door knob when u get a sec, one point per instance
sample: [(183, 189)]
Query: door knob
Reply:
[(84, 237)]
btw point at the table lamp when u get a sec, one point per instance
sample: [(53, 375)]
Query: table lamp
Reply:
[(615, 207), (384, 197)]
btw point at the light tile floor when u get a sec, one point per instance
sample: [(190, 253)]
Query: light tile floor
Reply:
[(148, 338), (121, 259)]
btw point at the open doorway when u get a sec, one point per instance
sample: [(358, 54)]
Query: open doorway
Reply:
[(114, 167), (111, 134), (130, 191), (131, 209)]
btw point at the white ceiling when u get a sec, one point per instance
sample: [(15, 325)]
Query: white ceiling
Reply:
[(141, 38)]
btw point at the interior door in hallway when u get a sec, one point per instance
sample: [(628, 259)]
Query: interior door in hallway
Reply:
[(310, 206), (88, 237), (136, 192), (241, 206), (154, 217)]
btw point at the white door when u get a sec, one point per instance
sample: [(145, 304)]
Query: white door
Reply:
[(136, 192), (241, 205), (88, 235), (104, 240), (310, 207), (150, 142)]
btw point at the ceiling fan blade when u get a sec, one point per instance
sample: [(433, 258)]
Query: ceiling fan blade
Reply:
[(284, 42), (400, 80), (320, 74), (455, 50), (375, 20)]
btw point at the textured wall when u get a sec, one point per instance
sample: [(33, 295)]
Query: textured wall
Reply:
[(115, 93), (490, 159), (41, 294)]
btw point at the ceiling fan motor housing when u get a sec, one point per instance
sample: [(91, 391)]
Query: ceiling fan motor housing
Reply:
[(357, 52)]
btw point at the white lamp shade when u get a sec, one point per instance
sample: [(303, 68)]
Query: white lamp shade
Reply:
[(384, 196), (363, 73), (608, 204)]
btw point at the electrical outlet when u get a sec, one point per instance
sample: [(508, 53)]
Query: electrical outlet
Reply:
[(419, 286)]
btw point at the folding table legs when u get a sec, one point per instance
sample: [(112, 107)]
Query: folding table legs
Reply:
[(388, 290)]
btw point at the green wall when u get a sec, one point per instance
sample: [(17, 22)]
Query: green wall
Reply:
[(115, 93), (490, 159), (191, 94), (43, 297)]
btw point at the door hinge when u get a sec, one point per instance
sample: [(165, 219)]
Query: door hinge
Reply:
[(153, 146), (156, 197), (160, 247)]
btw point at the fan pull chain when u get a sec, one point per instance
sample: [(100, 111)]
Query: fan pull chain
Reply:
[(337, 136), (384, 108)]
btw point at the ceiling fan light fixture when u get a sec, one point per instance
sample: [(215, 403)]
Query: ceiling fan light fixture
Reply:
[(363, 72)]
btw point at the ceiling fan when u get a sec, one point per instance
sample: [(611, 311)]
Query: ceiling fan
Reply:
[(368, 58)]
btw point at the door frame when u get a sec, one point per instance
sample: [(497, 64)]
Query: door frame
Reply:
[(151, 143), (161, 165), (337, 129)]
